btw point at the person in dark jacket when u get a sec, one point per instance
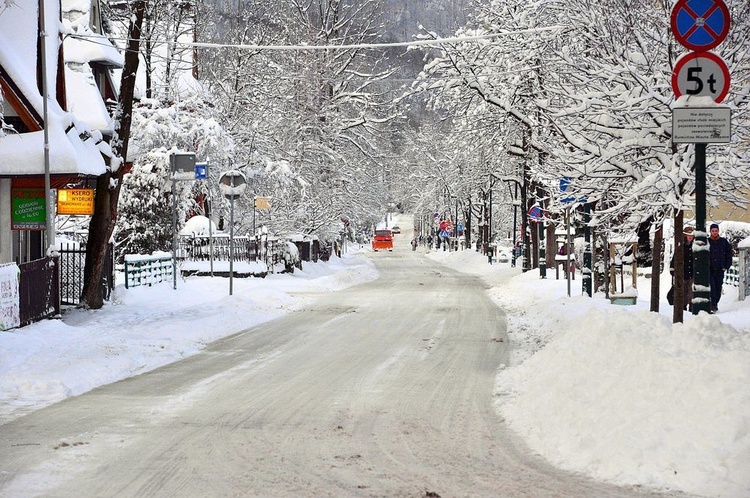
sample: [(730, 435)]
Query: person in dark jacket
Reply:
[(720, 260), (687, 266)]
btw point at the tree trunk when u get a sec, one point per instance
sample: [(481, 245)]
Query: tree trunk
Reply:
[(108, 185), (551, 249), (485, 222), (656, 268)]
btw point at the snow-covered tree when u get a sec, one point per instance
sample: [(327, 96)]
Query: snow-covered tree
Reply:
[(167, 57), (108, 185), (587, 87), (145, 223), (310, 124)]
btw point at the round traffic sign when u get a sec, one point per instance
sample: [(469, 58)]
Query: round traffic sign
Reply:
[(703, 74), (536, 214), (700, 24), (232, 184)]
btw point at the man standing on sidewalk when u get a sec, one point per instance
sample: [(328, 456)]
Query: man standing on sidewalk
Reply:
[(720, 260)]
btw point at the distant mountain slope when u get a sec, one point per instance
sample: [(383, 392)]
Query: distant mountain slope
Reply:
[(441, 16)]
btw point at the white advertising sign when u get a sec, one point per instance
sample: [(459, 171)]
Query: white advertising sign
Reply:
[(10, 306)]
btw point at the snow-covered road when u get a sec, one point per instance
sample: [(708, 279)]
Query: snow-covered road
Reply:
[(383, 390)]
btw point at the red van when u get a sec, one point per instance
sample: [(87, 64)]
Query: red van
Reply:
[(383, 240)]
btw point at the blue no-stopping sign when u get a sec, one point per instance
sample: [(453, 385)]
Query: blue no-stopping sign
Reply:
[(700, 25)]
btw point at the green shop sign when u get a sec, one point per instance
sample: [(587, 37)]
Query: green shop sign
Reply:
[(29, 211)]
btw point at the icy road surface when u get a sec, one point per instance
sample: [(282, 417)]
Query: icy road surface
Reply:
[(384, 389)]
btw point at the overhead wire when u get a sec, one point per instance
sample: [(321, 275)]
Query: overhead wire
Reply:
[(97, 39), (306, 47)]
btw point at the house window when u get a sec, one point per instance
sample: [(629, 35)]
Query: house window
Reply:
[(28, 245), (16, 124)]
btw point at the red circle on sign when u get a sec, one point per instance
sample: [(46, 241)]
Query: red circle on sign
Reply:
[(536, 214), (683, 36), (692, 56)]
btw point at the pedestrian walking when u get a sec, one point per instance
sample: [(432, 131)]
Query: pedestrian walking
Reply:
[(720, 260), (687, 267)]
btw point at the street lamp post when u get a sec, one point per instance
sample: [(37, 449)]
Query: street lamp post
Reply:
[(489, 229), (542, 248), (515, 223), (456, 224), (587, 273)]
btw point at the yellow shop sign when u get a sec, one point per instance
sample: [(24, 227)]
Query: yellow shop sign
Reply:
[(75, 201)]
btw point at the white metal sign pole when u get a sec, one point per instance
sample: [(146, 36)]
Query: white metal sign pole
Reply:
[(231, 243), (47, 183), (174, 225), (699, 26)]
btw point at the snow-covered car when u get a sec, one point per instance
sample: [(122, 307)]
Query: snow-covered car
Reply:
[(396, 229)]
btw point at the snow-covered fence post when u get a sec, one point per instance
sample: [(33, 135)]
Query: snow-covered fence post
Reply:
[(701, 287), (732, 275), (744, 264)]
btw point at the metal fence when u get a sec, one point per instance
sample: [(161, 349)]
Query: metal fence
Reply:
[(193, 248), (38, 289), (147, 270), (72, 264)]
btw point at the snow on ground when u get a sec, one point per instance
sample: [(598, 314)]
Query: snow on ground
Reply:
[(143, 328), (620, 393), (615, 392)]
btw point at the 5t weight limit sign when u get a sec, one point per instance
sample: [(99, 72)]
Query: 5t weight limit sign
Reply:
[(703, 74)]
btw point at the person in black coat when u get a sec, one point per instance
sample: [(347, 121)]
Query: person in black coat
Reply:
[(720, 260), (687, 266)]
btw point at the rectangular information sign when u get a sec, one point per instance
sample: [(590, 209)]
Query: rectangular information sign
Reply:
[(201, 171), (28, 209), (10, 309), (701, 125), (75, 201), (263, 203)]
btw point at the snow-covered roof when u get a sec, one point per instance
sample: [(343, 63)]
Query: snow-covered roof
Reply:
[(85, 101), (82, 44), (75, 145), (23, 153)]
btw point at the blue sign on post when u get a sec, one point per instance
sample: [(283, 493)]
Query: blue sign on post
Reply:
[(536, 214), (700, 25), (201, 171), (564, 184)]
